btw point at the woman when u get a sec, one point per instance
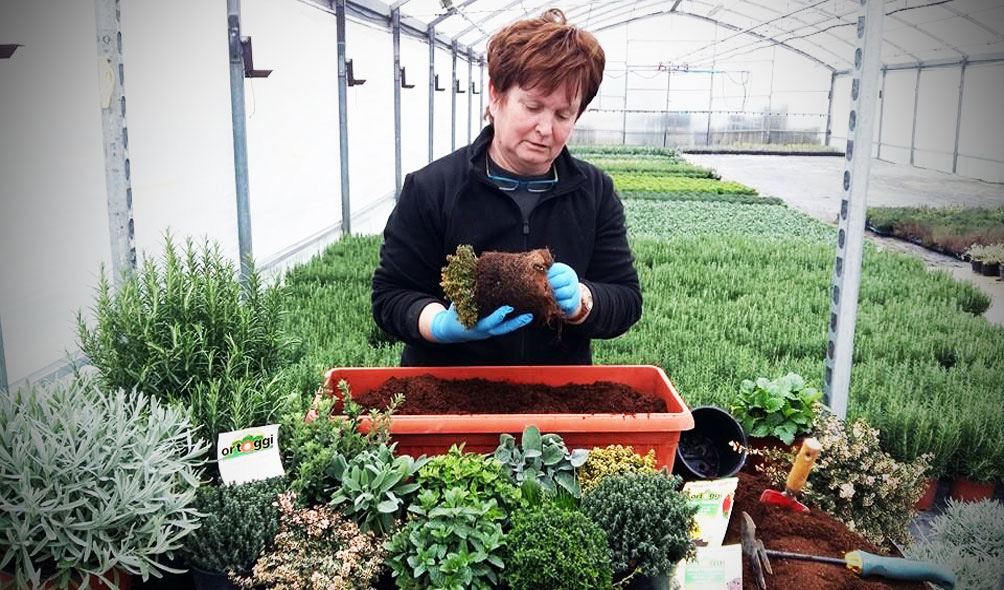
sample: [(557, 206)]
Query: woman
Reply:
[(516, 188)]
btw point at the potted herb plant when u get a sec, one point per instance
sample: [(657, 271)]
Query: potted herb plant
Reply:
[(96, 484), (856, 482), (316, 547), (558, 549), (774, 412), (238, 523), (647, 520)]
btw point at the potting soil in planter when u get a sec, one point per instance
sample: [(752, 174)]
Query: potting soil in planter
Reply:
[(813, 532), (430, 395)]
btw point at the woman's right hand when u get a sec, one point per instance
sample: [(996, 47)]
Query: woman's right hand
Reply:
[(447, 329)]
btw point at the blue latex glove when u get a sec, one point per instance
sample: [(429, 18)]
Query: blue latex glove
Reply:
[(565, 284), (447, 329)]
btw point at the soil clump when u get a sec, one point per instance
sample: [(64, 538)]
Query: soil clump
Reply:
[(813, 532), (431, 395)]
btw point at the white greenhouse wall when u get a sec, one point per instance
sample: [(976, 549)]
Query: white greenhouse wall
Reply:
[(53, 209), (414, 105), (442, 107), (981, 129)]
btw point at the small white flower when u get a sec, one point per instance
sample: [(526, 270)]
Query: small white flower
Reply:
[(846, 491)]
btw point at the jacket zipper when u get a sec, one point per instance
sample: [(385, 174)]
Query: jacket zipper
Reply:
[(526, 246)]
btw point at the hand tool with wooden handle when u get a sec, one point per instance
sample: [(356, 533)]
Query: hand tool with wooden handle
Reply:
[(796, 478), (860, 562)]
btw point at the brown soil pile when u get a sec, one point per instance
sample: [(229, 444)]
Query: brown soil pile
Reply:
[(517, 279), (814, 532), (430, 395)]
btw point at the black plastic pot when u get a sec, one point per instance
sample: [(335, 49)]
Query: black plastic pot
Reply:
[(211, 580), (991, 269), (641, 582), (705, 451), (977, 266)]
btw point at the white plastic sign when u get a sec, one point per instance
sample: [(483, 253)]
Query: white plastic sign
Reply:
[(249, 454)]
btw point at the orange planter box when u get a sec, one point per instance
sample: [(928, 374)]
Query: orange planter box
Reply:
[(433, 434)]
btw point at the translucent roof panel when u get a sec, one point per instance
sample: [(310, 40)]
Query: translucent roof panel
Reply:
[(915, 31)]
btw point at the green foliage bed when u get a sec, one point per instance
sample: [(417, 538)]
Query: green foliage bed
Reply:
[(734, 291), (950, 230), (661, 183), (721, 307)]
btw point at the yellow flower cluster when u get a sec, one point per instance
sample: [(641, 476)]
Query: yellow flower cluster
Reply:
[(613, 459)]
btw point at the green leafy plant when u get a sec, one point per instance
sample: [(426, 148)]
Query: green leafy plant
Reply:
[(238, 523), (315, 441), (782, 408), (625, 181), (647, 520), (483, 476), (186, 331), (374, 486), (544, 459), (453, 542), (856, 482), (557, 549), (316, 548), (459, 280), (613, 459), (968, 538), (92, 481)]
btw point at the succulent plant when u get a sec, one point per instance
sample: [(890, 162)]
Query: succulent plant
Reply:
[(374, 486), (544, 459)]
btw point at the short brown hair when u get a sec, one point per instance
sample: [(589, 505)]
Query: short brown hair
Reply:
[(549, 53)]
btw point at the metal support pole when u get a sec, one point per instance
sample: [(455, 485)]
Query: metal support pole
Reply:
[(4, 383), (239, 124), (711, 88), (916, 103), (770, 96), (878, 153), (470, 93), (395, 18), (665, 122), (481, 97), (115, 135), (711, 98), (958, 119), (624, 113), (343, 117), (432, 88), (453, 102), (829, 108), (851, 226)]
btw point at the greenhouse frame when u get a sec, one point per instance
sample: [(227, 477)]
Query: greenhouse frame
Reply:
[(807, 200)]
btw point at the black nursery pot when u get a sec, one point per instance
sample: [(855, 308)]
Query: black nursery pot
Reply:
[(977, 266), (705, 451), (211, 580), (991, 269), (640, 582)]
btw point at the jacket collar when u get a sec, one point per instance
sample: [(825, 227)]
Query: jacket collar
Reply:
[(570, 176)]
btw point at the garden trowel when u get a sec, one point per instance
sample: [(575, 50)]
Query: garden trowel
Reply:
[(796, 478), (860, 562)]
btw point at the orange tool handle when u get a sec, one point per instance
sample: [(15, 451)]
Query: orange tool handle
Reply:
[(803, 465)]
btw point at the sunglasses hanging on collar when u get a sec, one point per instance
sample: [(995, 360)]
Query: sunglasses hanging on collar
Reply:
[(508, 184)]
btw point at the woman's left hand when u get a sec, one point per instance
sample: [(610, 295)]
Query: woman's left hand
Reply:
[(565, 284)]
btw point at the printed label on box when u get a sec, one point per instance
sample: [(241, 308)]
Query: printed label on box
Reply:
[(714, 501), (714, 568), (249, 454)]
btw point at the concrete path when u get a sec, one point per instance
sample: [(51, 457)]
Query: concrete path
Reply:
[(812, 184)]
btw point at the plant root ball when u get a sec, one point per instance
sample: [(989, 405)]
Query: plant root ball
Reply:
[(517, 279)]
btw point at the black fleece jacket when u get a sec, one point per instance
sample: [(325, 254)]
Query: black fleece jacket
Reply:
[(451, 201)]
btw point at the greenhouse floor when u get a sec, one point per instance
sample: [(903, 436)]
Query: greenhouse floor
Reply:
[(812, 185)]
